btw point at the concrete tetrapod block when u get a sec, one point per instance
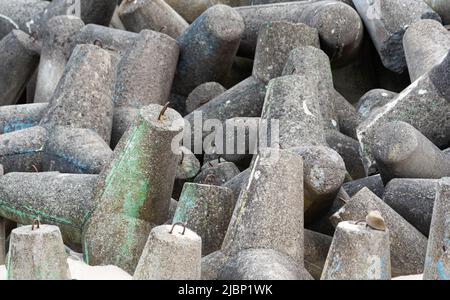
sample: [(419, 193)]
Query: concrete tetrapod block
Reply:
[(373, 183), (413, 199), (293, 102), (16, 14), (240, 141), (245, 99), (73, 131), (275, 42), (82, 98), (269, 212), (155, 15), (170, 254), (57, 38), (187, 168), (341, 41), (217, 175), (436, 263), (97, 11), (372, 100), (37, 253), (316, 246), (408, 245), (115, 232), (348, 149), (311, 61), (323, 175), (202, 94), (18, 61), (401, 151), (207, 210), (424, 105), (54, 198), (115, 40), (386, 22), (442, 7), (426, 44), (207, 50), (144, 76), (358, 252)]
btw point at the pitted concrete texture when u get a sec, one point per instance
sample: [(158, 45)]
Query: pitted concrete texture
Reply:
[(170, 255), (207, 210), (37, 254), (19, 59), (408, 245), (358, 253), (208, 47), (155, 15), (263, 264), (275, 42), (116, 230)]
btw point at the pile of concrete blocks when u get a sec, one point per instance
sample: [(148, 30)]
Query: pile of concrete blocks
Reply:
[(224, 140)]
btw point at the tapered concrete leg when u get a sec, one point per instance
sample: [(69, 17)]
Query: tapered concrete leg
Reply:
[(37, 253), (170, 254)]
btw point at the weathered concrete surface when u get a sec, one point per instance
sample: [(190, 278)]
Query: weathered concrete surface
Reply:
[(144, 76), (15, 14), (358, 252), (217, 175), (311, 61), (408, 245), (442, 7), (207, 50), (275, 42), (413, 199), (18, 117), (82, 99), (348, 149), (293, 101), (373, 183), (37, 254), (269, 212), (373, 100), (207, 210), (426, 44), (323, 175), (170, 255), (246, 99), (341, 40), (55, 198), (263, 264), (114, 40), (116, 231), (424, 105), (18, 60), (316, 251), (202, 94), (401, 151), (386, 22), (155, 15), (436, 263), (58, 35)]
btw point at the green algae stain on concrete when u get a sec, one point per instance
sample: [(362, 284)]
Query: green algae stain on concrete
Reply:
[(186, 203), (133, 203)]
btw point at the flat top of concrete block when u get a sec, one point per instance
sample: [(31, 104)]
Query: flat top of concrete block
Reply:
[(163, 233), (224, 22), (358, 227), (27, 230), (171, 120)]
